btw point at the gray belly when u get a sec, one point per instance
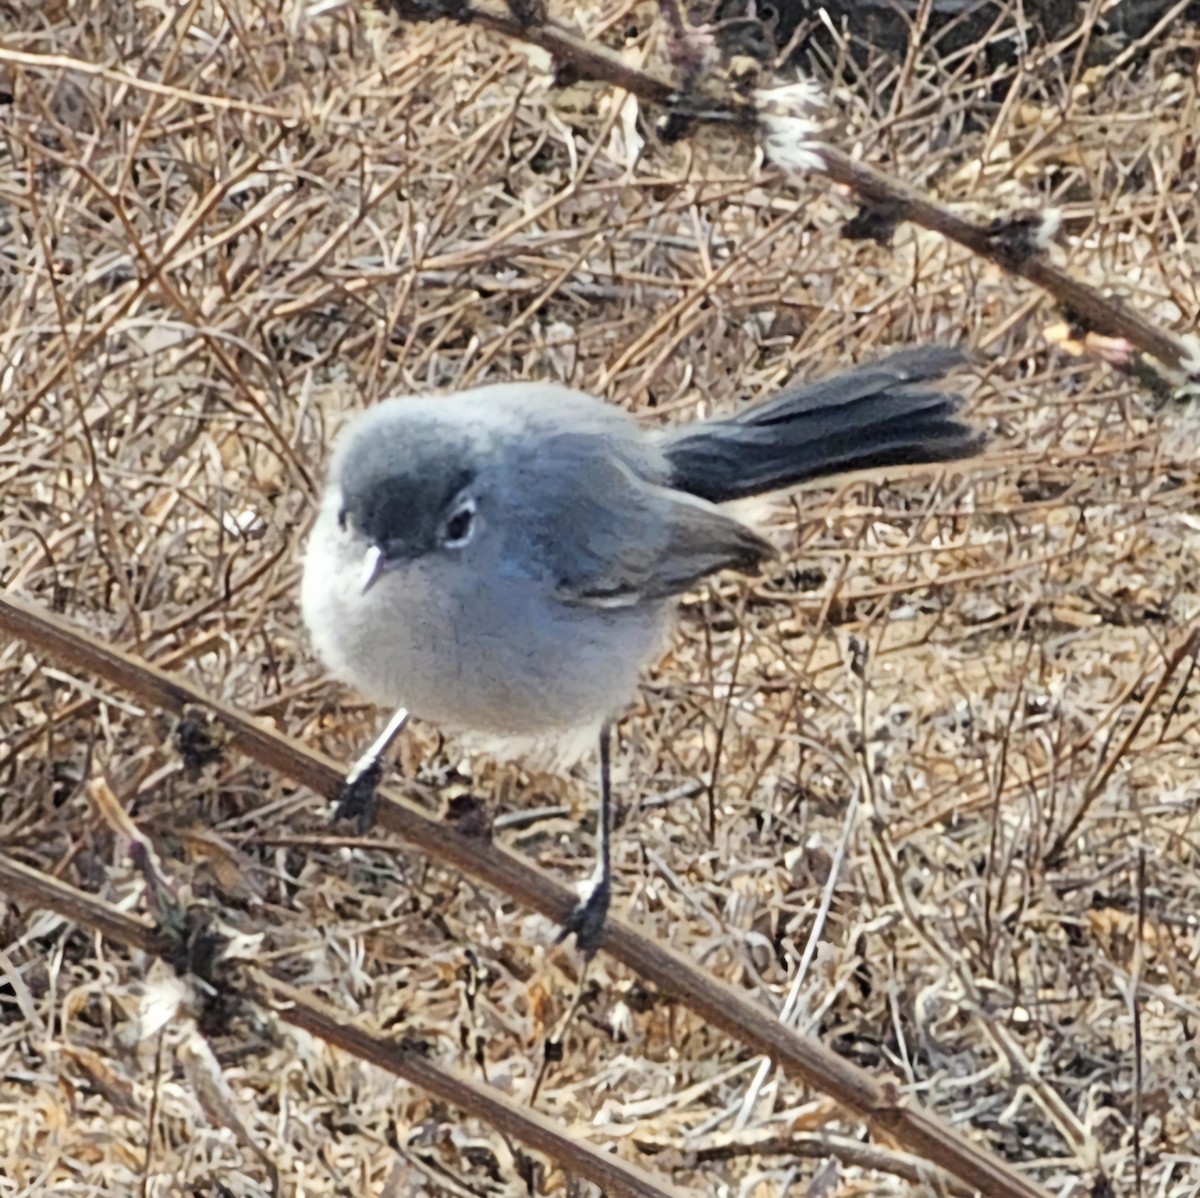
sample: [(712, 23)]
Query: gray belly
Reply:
[(502, 660)]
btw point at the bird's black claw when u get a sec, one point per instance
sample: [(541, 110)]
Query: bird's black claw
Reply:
[(358, 800), (586, 922)]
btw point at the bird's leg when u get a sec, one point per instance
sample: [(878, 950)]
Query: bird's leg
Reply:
[(357, 800), (586, 921)]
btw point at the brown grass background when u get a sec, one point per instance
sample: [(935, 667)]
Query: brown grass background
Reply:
[(226, 226)]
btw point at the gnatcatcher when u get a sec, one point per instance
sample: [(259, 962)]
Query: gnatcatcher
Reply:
[(503, 561)]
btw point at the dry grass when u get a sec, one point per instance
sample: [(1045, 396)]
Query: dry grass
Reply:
[(230, 226)]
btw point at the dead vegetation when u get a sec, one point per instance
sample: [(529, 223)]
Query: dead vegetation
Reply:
[(931, 784)]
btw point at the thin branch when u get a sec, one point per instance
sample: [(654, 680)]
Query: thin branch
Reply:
[(1104, 314), (1189, 646), (893, 201), (1136, 970), (66, 63), (604, 1169), (588, 61), (767, 1141), (404, 1059), (879, 1103), (1052, 1104)]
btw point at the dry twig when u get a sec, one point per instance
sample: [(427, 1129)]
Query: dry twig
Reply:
[(405, 1060), (880, 1104), (889, 200)]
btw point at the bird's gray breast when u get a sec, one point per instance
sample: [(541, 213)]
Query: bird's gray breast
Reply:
[(494, 651)]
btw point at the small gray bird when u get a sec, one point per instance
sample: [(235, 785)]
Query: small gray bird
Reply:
[(503, 561)]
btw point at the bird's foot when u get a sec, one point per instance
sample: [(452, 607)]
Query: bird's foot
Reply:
[(358, 800), (586, 922)]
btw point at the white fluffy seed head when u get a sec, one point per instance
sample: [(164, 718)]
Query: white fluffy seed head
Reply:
[(790, 129)]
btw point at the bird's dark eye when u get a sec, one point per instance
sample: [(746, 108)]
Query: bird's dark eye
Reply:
[(342, 519), (459, 527)]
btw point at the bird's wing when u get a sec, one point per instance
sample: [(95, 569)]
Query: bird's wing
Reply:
[(616, 539)]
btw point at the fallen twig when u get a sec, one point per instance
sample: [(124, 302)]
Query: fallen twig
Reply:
[(879, 1103), (405, 1060)]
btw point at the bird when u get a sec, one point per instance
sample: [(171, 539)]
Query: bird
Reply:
[(502, 562)]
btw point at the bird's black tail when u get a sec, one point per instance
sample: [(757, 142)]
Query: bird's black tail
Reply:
[(873, 416)]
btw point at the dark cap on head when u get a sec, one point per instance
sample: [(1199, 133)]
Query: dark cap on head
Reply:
[(398, 477)]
